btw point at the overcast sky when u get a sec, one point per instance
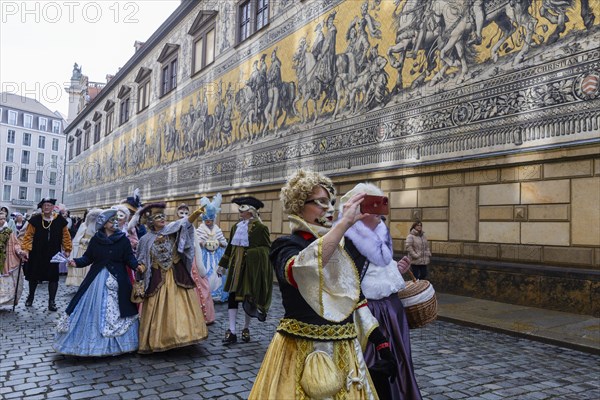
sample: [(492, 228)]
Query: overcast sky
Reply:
[(41, 40)]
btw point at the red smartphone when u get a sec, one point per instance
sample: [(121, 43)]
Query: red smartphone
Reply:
[(375, 205)]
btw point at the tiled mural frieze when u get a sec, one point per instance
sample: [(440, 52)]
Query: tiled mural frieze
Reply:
[(402, 83)]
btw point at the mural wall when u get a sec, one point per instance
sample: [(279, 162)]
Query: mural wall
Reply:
[(354, 86)]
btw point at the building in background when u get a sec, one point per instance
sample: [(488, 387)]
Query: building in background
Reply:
[(481, 119), (32, 150)]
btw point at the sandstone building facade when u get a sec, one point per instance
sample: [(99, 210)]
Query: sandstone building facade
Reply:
[(491, 139)]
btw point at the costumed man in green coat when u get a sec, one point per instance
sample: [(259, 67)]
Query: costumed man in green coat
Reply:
[(249, 275)]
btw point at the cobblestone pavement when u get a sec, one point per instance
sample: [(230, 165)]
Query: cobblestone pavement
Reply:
[(451, 361)]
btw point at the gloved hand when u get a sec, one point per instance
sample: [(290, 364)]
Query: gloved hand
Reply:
[(386, 365)]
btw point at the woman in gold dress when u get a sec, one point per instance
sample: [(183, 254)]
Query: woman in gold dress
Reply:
[(171, 315), (316, 352)]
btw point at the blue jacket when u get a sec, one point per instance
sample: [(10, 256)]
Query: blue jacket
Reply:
[(115, 254)]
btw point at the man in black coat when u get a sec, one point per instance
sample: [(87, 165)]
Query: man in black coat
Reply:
[(46, 235)]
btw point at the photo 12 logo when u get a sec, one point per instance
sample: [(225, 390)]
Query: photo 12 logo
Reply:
[(50, 92), (68, 11)]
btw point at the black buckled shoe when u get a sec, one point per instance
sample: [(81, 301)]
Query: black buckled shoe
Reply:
[(52, 306), (246, 335), (29, 302), (261, 316), (229, 338)]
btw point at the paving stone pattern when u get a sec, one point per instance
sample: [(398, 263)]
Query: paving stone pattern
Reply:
[(451, 361)]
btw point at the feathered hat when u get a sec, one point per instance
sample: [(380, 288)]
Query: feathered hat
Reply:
[(90, 220), (133, 203), (149, 210), (211, 208)]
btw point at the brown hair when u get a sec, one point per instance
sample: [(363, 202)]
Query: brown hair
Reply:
[(415, 224)]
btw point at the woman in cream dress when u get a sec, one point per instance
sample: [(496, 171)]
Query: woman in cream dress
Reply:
[(80, 244)]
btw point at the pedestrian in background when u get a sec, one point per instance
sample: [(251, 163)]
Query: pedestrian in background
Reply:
[(9, 220), (417, 247), (101, 320), (46, 235), (11, 281), (19, 222)]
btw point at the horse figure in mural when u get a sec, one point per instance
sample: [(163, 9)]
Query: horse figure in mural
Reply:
[(414, 31), (458, 23), (312, 89), (284, 106), (287, 94)]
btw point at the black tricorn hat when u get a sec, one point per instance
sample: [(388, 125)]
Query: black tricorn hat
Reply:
[(248, 201), (45, 200)]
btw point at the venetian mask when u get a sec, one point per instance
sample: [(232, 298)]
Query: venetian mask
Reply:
[(183, 213), (121, 216)]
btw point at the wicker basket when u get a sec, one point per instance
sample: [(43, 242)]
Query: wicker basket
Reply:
[(419, 301)]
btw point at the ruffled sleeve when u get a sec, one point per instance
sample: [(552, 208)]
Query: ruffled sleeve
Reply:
[(331, 290)]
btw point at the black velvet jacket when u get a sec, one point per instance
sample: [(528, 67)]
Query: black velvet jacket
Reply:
[(294, 304), (115, 254)]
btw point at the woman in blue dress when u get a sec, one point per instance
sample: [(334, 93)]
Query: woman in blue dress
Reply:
[(213, 244), (101, 320)]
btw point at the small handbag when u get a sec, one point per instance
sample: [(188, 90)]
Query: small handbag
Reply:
[(321, 378), (139, 290)]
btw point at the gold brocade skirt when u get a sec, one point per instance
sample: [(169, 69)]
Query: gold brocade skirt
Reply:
[(171, 318), (280, 374)]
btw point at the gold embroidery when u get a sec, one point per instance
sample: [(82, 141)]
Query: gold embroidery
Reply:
[(321, 332), (304, 347), (321, 284), (343, 363), (363, 302)]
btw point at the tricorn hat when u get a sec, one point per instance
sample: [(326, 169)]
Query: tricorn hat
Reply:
[(246, 202), (46, 200)]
